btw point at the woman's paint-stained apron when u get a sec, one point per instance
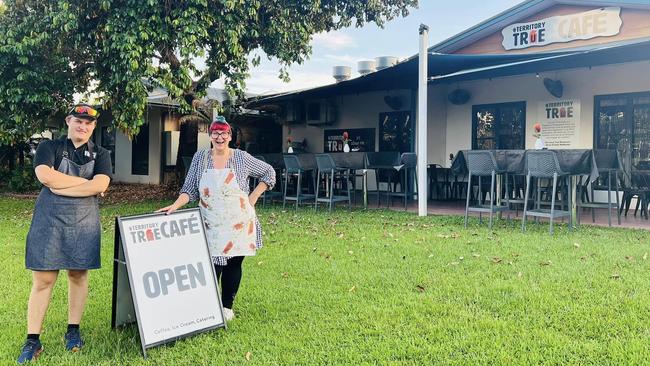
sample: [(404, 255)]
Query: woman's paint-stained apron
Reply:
[(229, 218), (65, 231)]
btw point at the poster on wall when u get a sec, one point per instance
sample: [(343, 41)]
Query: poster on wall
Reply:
[(560, 123), (395, 131), (359, 139), (602, 22)]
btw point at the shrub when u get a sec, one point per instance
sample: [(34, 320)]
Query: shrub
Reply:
[(23, 179), (5, 174)]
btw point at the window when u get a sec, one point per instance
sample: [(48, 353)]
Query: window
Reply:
[(499, 126), (108, 142), (622, 122), (140, 152)]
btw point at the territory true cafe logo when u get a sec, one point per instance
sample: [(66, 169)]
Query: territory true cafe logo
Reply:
[(529, 34), (143, 233), (555, 110)]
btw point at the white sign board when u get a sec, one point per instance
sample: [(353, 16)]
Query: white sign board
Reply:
[(601, 22), (560, 122), (170, 272)]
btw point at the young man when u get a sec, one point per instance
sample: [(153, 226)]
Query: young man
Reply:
[(65, 233)]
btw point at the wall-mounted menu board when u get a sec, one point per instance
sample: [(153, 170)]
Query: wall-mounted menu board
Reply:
[(360, 139)]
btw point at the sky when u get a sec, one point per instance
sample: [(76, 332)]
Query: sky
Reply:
[(399, 37)]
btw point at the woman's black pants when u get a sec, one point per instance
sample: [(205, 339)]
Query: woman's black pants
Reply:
[(230, 277)]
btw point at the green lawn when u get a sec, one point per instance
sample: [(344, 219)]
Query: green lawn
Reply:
[(379, 287)]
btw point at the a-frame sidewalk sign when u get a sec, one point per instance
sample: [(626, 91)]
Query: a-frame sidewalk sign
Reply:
[(163, 277)]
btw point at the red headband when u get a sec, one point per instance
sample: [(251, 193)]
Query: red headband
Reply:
[(219, 126)]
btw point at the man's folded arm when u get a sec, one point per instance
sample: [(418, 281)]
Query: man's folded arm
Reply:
[(93, 187), (52, 178)]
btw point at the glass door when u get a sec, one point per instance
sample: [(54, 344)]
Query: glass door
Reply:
[(484, 126), (622, 122), (641, 137), (511, 126)]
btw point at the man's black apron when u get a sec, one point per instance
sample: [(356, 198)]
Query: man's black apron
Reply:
[(65, 231)]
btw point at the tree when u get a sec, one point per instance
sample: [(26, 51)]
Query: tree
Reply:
[(50, 49)]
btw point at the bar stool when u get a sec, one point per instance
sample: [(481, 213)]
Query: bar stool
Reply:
[(610, 161), (639, 187), (408, 162), (543, 164), (439, 182), (514, 191), (270, 195), (327, 169), (383, 162), (293, 168), (483, 164)]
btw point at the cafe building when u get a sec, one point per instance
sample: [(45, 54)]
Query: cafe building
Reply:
[(575, 74)]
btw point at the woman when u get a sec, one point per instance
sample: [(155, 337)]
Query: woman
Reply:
[(204, 177)]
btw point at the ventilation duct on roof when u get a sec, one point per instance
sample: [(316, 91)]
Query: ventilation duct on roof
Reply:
[(385, 61), (366, 67), (341, 73)]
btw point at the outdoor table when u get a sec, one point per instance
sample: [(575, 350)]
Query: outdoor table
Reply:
[(275, 160), (575, 162), (354, 161), (307, 161)]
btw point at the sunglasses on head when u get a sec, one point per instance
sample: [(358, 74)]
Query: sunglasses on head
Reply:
[(83, 109)]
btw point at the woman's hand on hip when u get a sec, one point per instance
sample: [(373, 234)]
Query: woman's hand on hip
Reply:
[(257, 192), (252, 198)]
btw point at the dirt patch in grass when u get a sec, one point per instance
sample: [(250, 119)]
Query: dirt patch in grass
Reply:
[(122, 193)]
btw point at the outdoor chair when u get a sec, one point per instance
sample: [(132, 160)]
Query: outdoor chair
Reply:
[(277, 191), (383, 163), (458, 186), (363, 175), (439, 182), (293, 169), (608, 165), (483, 164), (543, 164), (331, 175), (583, 188), (514, 191), (409, 164), (639, 187)]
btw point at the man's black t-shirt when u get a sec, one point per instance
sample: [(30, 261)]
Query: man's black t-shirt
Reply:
[(50, 153)]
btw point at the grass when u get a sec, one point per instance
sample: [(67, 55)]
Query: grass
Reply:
[(378, 287)]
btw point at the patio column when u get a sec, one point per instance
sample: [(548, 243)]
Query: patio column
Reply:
[(422, 121)]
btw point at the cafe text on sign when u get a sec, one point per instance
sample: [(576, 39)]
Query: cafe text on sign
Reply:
[(601, 22)]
